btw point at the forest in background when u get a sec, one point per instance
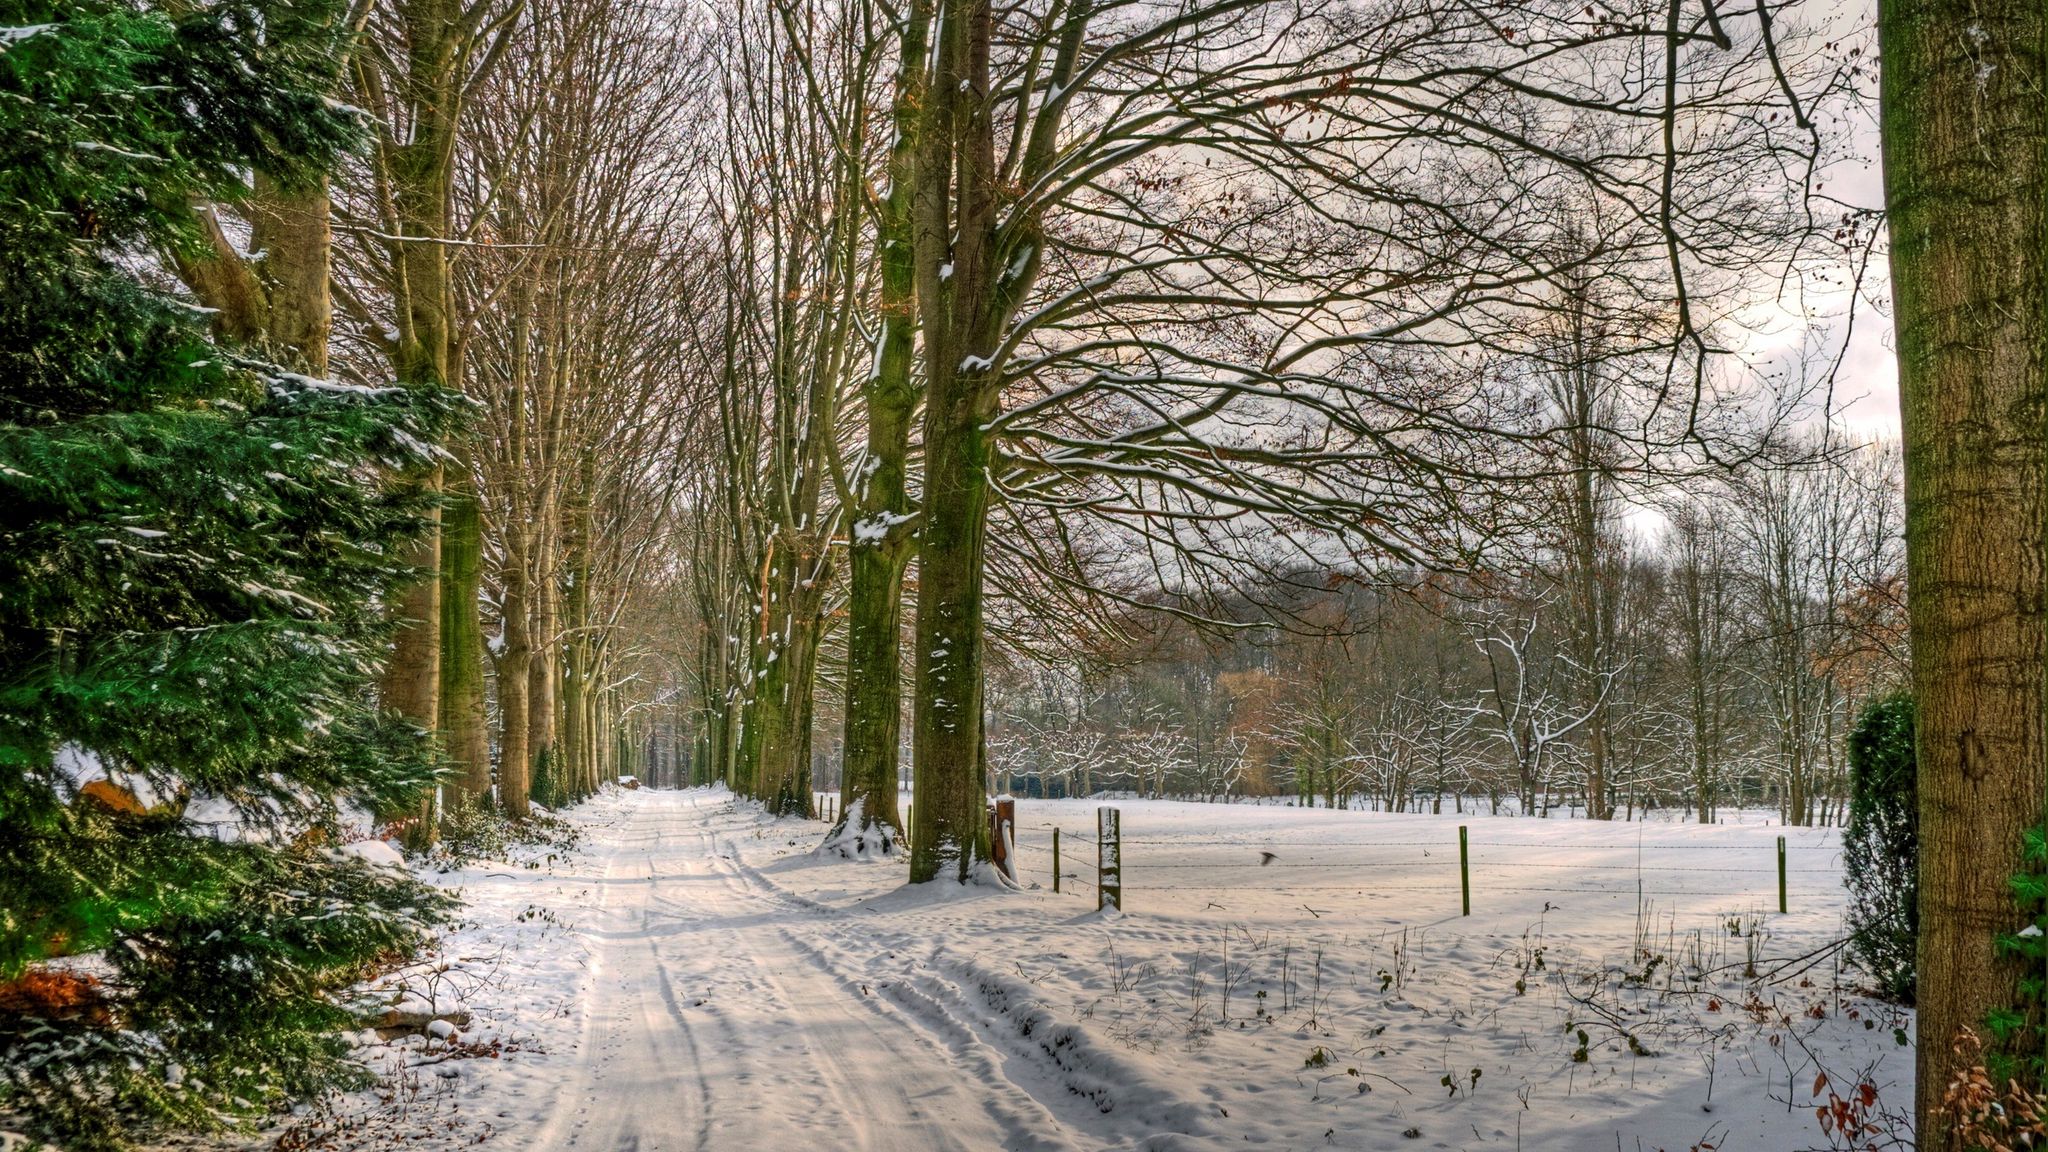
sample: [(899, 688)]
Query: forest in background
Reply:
[(1719, 663)]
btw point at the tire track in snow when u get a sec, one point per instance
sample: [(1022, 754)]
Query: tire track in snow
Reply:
[(633, 1025), (918, 1076), (998, 1031), (708, 1025)]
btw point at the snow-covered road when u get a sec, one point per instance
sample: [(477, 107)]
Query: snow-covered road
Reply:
[(694, 976), (729, 1014)]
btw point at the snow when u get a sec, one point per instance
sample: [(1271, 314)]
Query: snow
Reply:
[(875, 529), (13, 34), (80, 766), (321, 384), (697, 975), (125, 154), (375, 852)]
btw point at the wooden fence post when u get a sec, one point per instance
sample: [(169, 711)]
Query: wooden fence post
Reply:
[(1781, 875), (1109, 859), (1464, 870), (1002, 834)]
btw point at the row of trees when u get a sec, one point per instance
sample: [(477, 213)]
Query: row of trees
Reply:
[(1029, 317), (1735, 638), (1078, 304), (516, 230), (338, 438)]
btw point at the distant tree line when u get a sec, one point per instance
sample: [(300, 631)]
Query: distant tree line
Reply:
[(1744, 624)]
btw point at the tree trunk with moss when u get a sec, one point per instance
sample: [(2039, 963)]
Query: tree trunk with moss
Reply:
[(1964, 124), (880, 542), (542, 701), (975, 262), (465, 719), (949, 830)]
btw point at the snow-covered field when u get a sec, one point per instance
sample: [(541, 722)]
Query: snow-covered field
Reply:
[(693, 977)]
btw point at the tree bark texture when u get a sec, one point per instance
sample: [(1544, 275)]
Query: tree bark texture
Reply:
[(784, 691), (514, 685), (465, 719), (1964, 121)]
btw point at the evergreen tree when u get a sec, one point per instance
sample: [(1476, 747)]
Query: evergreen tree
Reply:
[(194, 550), (1881, 847)]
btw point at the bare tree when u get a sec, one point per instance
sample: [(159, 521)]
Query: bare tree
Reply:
[(1527, 700), (418, 61), (1701, 589), (1077, 304)]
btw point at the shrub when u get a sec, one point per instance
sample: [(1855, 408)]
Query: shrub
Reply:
[(474, 832), (1881, 848)]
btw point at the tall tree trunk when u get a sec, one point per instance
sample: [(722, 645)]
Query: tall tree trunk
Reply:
[(949, 834), (719, 684), (784, 696), (411, 684), (421, 169), (569, 747), (708, 766), (1964, 123), (514, 685), (294, 231), (572, 749), (1588, 568), (541, 700), (592, 756), (967, 290), (874, 693), (604, 743), (880, 544), (465, 720)]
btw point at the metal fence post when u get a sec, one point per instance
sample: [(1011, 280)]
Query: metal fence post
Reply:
[(1109, 859), (1055, 861)]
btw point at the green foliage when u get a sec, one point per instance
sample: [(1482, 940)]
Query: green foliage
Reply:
[(547, 788), (220, 1011), (193, 549), (1881, 847), (113, 118), (2019, 1033), (473, 832)]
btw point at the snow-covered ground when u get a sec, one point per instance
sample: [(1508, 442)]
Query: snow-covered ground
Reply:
[(694, 977)]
